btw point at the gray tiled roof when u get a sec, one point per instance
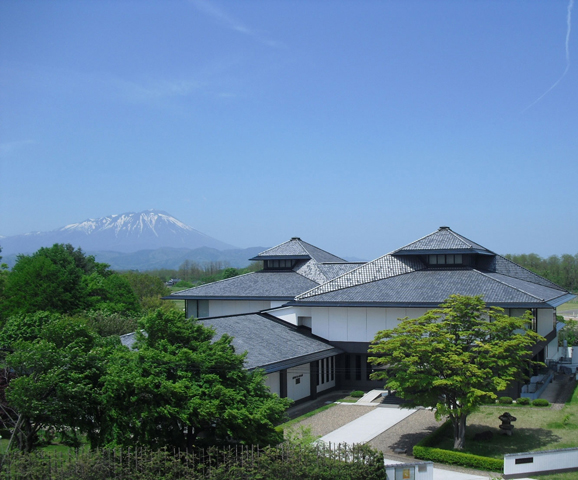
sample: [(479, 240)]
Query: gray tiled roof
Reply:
[(270, 343), (268, 285), (431, 287), (443, 239), (383, 267), (297, 248)]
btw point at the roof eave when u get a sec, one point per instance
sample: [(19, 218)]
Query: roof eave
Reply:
[(443, 250), (227, 297), (281, 257), (544, 304), (556, 302), (296, 361)]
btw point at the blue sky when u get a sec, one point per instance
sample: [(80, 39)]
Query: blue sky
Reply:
[(358, 126)]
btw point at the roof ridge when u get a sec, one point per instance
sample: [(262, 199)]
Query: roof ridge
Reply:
[(293, 239), (507, 284), (411, 243), (351, 272), (317, 248), (470, 242), (212, 283)]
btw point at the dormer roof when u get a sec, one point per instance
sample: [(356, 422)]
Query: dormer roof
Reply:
[(297, 249), (444, 240)]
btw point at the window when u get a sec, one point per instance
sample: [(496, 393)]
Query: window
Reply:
[(279, 264), (357, 367), (347, 367), (446, 259)]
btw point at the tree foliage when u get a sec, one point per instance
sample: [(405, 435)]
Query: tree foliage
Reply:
[(181, 387), (60, 279), (56, 375), (454, 357), (562, 270)]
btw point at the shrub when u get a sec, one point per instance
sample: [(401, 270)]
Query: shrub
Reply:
[(540, 402), (522, 401), (505, 400), (357, 394), (451, 457)]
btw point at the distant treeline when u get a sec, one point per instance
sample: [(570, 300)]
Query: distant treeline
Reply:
[(562, 270), (194, 273)]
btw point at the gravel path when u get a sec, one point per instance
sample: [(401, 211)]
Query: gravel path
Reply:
[(332, 418), (402, 436), (405, 434)]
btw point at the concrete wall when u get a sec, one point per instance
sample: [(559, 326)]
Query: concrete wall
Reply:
[(519, 465)]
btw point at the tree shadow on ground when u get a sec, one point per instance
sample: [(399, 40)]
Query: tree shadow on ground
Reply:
[(408, 440), (522, 440)]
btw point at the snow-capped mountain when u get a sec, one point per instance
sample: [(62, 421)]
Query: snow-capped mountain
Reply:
[(127, 232)]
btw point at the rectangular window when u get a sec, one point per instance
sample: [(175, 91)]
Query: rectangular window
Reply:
[(332, 368), (322, 370), (357, 367), (433, 259), (441, 259), (327, 369), (450, 259), (347, 367), (458, 259), (368, 369)]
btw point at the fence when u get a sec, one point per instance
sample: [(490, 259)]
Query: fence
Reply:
[(285, 462)]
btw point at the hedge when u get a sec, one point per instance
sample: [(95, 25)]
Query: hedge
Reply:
[(424, 451)]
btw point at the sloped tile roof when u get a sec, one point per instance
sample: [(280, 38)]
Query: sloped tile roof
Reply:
[(270, 343), (297, 248), (383, 267), (266, 285), (432, 287), (443, 239)]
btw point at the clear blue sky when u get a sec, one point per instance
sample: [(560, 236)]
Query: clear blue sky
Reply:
[(358, 126)]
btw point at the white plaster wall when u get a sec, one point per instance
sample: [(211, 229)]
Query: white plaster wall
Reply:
[(233, 307), (300, 390), (273, 381), (349, 324), (320, 322), (543, 461), (545, 321), (287, 314)]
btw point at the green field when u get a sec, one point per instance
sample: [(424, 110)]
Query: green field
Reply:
[(572, 305)]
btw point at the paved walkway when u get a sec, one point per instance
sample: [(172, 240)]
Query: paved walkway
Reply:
[(380, 419), (369, 426)]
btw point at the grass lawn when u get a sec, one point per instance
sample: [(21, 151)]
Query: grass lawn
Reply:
[(536, 428), (572, 305)]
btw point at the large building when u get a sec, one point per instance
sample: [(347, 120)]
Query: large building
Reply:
[(343, 305)]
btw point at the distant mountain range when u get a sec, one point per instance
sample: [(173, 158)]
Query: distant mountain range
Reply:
[(141, 241)]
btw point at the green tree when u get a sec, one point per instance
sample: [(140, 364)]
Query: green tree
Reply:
[(454, 357), (180, 387), (57, 379), (60, 279)]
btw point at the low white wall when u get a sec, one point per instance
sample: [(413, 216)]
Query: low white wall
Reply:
[(411, 471), (518, 465)]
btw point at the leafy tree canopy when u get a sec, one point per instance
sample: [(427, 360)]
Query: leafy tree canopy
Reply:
[(454, 357), (180, 387), (57, 378), (60, 279)]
